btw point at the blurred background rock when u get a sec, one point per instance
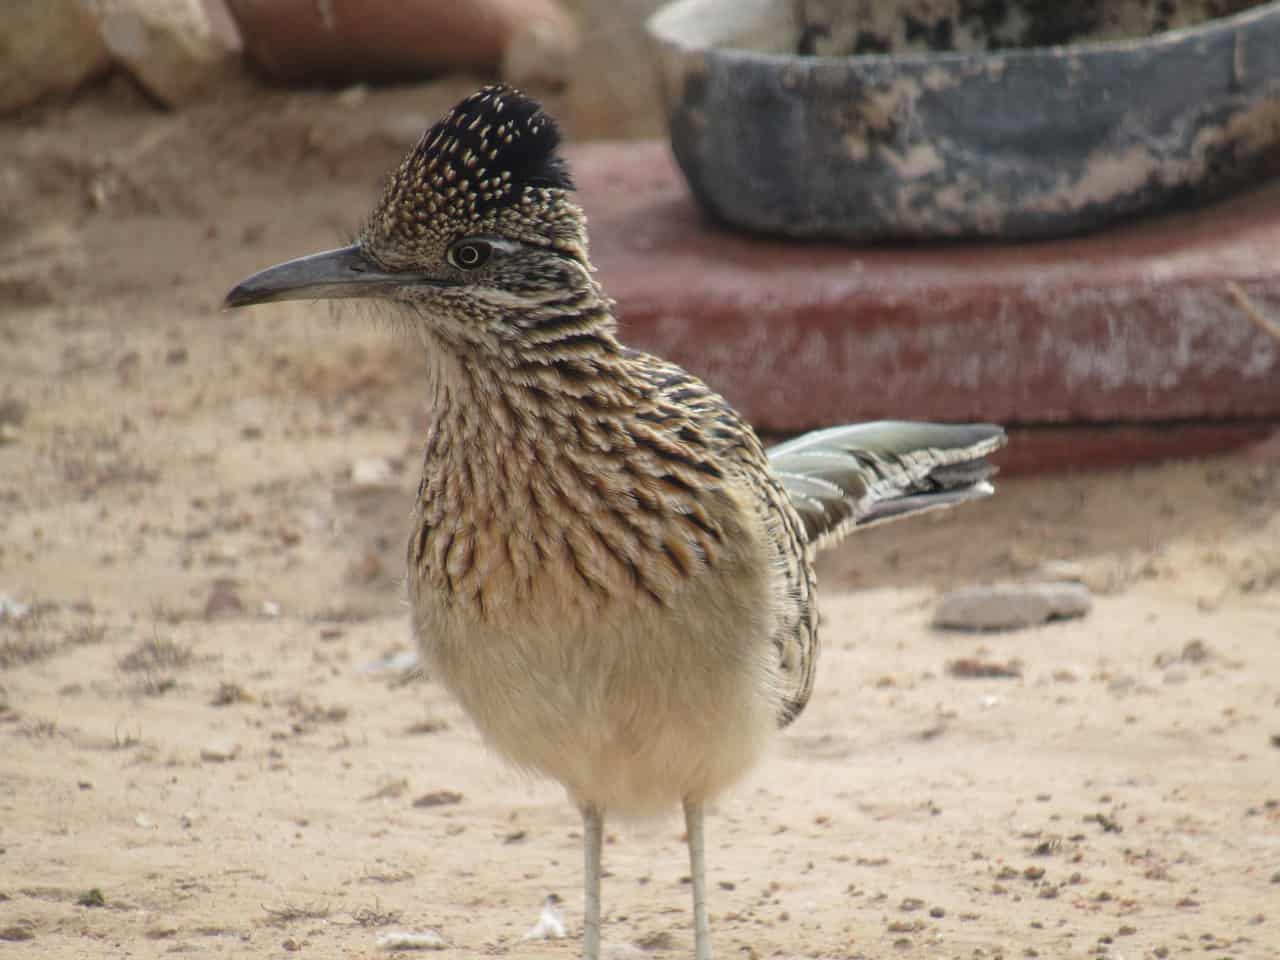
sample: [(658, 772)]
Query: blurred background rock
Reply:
[(177, 52)]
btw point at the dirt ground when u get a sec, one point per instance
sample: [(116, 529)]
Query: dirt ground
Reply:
[(209, 742)]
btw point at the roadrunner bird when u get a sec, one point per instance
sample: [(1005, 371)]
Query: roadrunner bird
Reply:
[(605, 567)]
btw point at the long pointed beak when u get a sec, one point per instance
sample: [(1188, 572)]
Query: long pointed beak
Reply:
[(334, 274)]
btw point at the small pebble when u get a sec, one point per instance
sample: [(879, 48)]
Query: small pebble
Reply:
[(353, 95), (1122, 682), (371, 472), (438, 798), (220, 751), (223, 601)]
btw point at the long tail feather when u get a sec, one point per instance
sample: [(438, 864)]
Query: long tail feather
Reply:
[(856, 476)]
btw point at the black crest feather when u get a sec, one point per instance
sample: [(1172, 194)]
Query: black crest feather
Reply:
[(496, 151), (508, 132)]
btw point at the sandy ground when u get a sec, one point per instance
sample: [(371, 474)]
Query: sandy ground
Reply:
[(207, 744)]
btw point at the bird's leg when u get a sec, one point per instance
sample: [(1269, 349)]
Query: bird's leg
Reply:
[(592, 839), (698, 869)]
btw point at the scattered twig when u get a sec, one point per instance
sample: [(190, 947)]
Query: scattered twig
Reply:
[(1260, 320), (290, 913)]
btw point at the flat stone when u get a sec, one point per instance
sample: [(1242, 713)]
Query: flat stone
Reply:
[(1097, 343), (1011, 606)]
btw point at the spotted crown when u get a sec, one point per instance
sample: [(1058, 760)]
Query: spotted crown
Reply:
[(489, 166)]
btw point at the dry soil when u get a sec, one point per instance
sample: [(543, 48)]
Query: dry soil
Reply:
[(209, 742)]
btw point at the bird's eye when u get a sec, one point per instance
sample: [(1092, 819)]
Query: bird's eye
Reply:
[(470, 254)]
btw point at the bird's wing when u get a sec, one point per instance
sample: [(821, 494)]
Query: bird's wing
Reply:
[(856, 476)]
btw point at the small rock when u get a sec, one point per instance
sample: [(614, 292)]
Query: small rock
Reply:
[(144, 822), (228, 693), (1108, 575), (1122, 683), (46, 48), (1194, 651), (223, 601), (971, 667), (439, 798), (291, 944), (539, 53), (17, 933), (220, 750), (1010, 606), (365, 568), (174, 48), (371, 472), (354, 95)]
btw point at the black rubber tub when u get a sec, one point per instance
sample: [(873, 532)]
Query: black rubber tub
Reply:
[(923, 119)]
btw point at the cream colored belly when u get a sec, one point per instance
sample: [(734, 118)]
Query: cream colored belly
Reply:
[(631, 706)]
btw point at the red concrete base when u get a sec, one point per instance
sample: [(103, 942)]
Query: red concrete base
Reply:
[(1052, 449), (1128, 327)]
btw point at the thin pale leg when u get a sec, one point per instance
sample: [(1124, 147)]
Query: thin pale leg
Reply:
[(698, 870), (592, 839)]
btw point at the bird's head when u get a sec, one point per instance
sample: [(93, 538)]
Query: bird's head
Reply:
[(475, 232)]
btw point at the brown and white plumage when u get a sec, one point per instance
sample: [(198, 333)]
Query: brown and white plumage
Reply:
[(606, 567)]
